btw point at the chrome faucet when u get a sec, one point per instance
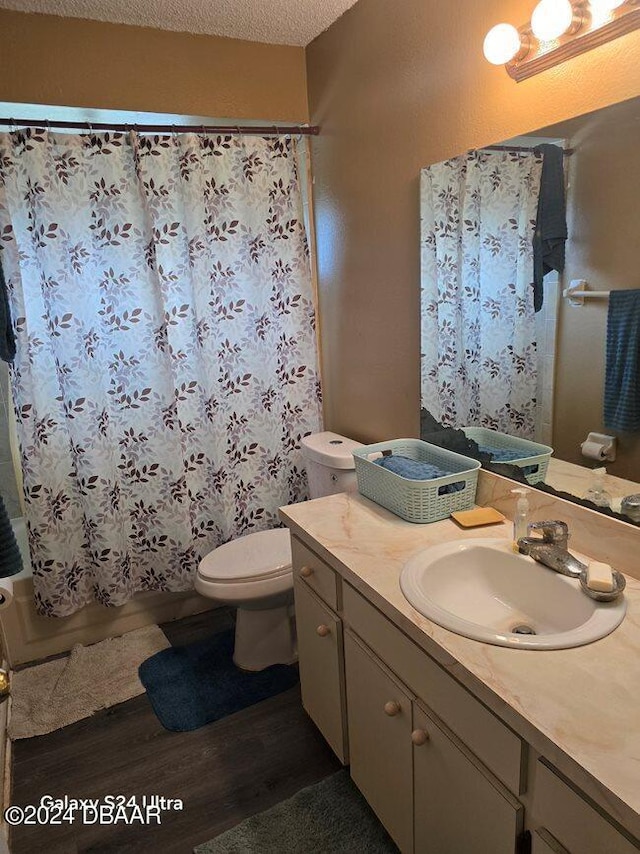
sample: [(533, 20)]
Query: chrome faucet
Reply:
[(552, 532), (550, 548)]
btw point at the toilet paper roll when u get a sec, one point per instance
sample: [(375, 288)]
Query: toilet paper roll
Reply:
[(594, 450), (6, 593)]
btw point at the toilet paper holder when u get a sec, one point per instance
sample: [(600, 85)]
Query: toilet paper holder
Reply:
[(599, 446)]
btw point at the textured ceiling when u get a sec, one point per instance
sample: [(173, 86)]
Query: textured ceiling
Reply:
[(293, 22)]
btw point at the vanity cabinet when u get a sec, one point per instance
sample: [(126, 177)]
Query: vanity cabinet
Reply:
[(428, 790), (442, 771), (497, 746)]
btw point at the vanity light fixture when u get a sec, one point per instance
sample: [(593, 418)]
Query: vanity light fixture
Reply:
[(559, 30)]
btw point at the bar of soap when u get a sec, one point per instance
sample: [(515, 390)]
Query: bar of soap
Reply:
[(478, 516), (599, 577)]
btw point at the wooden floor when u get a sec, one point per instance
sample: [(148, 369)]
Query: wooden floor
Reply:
[(223, 772)]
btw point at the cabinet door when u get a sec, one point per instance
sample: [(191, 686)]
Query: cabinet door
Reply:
[(321, 656), (544, 843), (572, 820), (379, 716), (458, 806), (487, 737)]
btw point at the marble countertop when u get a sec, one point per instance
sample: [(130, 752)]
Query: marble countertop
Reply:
[(578, 707), (577, 480)]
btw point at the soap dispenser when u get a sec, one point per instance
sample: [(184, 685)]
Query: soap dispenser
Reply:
[(596, 493), (521, 516)]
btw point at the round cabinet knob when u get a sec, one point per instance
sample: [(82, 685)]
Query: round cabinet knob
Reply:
[(306, 571), (392, 708), (323, 631), (419, 737)]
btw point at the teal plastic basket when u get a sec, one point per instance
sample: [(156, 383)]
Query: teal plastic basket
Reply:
[(533, 455), (419, 501)]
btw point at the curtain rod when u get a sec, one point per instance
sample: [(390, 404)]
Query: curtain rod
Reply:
[(567, 152), (232, 130)]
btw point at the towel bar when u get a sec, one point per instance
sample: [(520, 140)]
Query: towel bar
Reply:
[(577, 292)]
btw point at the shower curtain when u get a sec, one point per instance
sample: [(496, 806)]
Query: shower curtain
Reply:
[(167, 366), (479, 363)]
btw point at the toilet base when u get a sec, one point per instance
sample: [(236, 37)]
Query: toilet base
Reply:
[(264, 638)]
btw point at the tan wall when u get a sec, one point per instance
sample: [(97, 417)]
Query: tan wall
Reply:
[(45, 59), (603, 217), (396, 86)]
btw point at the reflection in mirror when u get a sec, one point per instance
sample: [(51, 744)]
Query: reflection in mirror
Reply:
[(489, 359), (479, 361)]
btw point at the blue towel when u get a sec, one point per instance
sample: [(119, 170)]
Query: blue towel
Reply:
[(7, 339), (502, 455), (551, 220), (622, 378), (10, 557), (418, 470)]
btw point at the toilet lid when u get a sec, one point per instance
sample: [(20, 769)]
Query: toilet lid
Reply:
[(266, 554)]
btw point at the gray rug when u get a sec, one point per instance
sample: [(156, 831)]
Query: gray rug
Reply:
[(330, 817), (60, 692)]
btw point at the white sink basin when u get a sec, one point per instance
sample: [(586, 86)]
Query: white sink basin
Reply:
[(481, 589)]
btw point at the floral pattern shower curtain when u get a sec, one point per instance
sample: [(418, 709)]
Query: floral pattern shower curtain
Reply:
[(167, 365), (479, 361)]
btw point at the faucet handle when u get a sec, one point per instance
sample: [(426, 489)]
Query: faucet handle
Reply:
[(553, 531)]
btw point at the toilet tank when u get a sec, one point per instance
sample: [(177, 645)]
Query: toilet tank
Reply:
[(329, 463)]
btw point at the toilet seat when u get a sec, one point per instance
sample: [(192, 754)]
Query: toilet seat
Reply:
[(252, 558)]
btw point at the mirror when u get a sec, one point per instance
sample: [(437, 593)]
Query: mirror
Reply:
[(556, 395)]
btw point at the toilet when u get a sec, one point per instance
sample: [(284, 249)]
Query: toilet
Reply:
[(254, 573)]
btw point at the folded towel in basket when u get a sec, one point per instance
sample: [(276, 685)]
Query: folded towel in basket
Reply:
[(502, 455), (505, 455), (417, 470)]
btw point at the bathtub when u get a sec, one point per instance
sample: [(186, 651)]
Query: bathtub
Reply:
[(27, 636)]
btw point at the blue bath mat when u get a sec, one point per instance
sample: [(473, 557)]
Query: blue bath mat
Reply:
[(190, 686), (330, 816)]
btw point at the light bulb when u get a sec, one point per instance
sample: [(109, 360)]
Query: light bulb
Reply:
[(501, 44), (551, 18), (605, 6), (601, 11)]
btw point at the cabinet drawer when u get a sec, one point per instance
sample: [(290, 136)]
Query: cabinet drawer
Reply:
[(485, 735), (315, 572), (321, 661), (570, 819)]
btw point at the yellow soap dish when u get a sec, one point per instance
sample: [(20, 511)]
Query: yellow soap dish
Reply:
[(478, 516)]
